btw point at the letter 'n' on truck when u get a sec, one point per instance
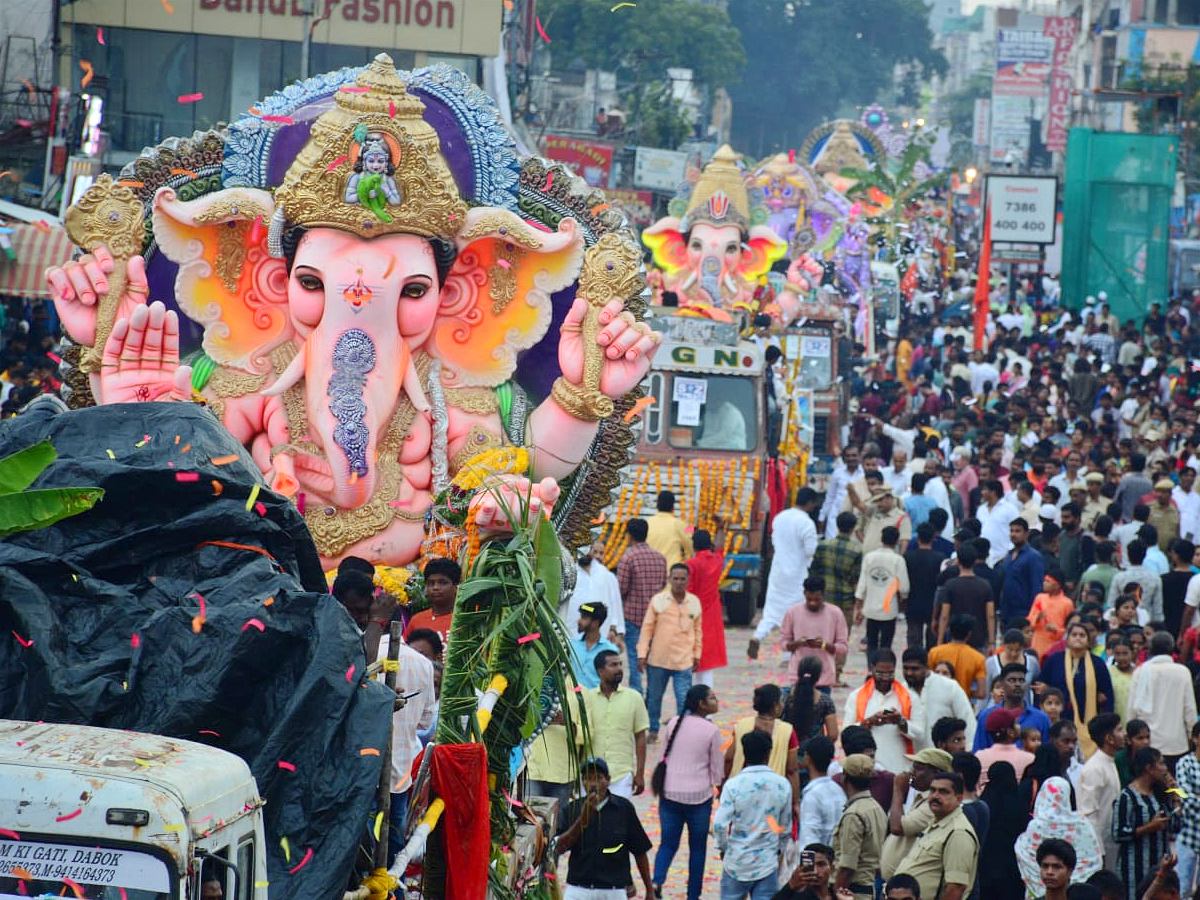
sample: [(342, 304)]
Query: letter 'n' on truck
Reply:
[(115, 815)]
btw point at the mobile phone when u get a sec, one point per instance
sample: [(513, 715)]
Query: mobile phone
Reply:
[(808, 859)]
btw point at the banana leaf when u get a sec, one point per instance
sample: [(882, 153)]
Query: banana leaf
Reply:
[(19, 470), (30, 510)]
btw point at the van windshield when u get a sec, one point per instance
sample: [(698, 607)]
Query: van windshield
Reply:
[(32, 868), (714, 412)]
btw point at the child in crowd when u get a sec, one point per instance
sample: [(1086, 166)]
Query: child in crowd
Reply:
[(1137, 736), (1053, 704), (1120, 670), (1031, 739)]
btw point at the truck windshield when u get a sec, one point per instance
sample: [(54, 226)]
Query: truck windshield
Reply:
[(816, 362), (33, 868), (714, 412)]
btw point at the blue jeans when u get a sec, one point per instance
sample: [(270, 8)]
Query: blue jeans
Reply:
[(763, 889), (673, 817), (656, 686), (1185, 869), (632, 634)]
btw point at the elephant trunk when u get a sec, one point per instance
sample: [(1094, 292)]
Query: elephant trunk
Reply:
[(710, 278), (353, 382)]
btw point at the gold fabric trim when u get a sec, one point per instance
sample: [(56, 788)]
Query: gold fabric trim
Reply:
[(479, 440), (477, 401)]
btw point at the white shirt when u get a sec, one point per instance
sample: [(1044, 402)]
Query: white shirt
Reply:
[(835, 496), (1189, 512), (1063, 482), (897, 481), (981, 372), (1099, 787), (935, 490), (944, 698), (821, 805), (904, 438), (794, 536), (1161, 694), (595, 584), (419, 712), (891, 744), (995, 527)]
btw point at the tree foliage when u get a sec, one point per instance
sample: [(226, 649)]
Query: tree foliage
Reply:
[(811, 60), (639, 43)]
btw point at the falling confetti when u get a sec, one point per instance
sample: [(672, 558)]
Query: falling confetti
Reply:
[(287, 849), (100, 36), (619, 5), (378, 823), (774, 825), (281, 120), (252, 499), (135, 641), (69, 816), (168, 7), (209, 732), (184, 172), (11, 835), (23, 874), (223, 460), (641, 404), (187, 476), (260, 508), (537, 20), (286, 766), (202, 617), (74, 887), (217, 488), (191, 98), (613, 849), (337, 162), (353, 89), (111, 455), (368, 751), (254, 623), (529, 637), (350, 673), (24, 642), (88, 73)]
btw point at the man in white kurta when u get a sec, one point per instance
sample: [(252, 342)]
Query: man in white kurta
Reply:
[(1100, 783), (839, 487), (794, 541), (893, 713)]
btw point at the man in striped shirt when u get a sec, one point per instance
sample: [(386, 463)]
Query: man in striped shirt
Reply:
[(641, 573)]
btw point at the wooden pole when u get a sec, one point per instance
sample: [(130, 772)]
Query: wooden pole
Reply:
[(383, 799)]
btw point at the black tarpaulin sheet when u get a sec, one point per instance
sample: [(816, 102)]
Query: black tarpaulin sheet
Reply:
[(139, 564)]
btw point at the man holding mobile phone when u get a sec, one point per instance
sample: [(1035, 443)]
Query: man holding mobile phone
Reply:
[(811, 879)]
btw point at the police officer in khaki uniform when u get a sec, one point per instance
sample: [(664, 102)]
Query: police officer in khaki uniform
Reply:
[(1097, 504), (858, 838), (944, 858)]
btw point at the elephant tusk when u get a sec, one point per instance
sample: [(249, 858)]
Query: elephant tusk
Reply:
[(691, 279), (729, 283), (414, 389), (290, 376)]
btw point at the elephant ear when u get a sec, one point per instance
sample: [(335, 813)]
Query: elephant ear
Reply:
[(668, 243), (228, 281), (764, 248), (497, 298)]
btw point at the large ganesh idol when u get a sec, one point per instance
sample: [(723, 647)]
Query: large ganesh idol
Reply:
[(802, 208), (715, 243), (381, 292)]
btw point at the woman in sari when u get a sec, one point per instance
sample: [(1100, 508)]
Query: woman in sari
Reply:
[(785, 744), (1053, 817), (1083, 680)]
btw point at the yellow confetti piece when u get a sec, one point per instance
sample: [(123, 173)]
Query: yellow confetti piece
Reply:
[(140, 444), (378, 823), (111, 455), (619, 5), (172, 828), (287, 849), (253, 497), (613, 849), (262, 884)]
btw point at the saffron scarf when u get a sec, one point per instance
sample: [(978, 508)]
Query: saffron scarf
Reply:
[(1089, 712), (868, 690)]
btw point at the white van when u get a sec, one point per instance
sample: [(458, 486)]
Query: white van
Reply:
[(116, 815)]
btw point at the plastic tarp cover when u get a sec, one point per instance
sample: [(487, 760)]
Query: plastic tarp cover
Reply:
[(139, 563)]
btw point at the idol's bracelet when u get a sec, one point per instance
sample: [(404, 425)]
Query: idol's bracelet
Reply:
[(579, 402)]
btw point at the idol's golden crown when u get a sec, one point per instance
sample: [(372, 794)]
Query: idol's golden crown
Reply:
[(720, 196), (319, 189)]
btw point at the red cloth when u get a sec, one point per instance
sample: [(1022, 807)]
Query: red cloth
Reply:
[(983, 303), (459, 774), (777, 493), (704, 580)]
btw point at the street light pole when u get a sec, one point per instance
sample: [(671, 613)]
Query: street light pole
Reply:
[(306, 38)]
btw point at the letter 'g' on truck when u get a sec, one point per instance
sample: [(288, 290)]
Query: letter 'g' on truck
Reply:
[(116, 815)]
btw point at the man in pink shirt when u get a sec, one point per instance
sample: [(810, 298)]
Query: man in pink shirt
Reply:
[(1001, 724), (814, 628)]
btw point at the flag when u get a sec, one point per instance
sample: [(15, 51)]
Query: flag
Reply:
[(983, 303)]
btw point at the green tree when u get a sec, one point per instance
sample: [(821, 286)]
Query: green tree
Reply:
[(639, 44), (811, 60), (958, 108)]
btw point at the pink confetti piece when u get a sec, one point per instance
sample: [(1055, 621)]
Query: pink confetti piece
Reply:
[(209, 731), (504, 263), (353, 89), (391, 109), (10, 834), (135, 641), (124, 896), (301, 500), (260, 508), (254, 623), (69, 816), (187, 476), (350, 673), (513, 800), (286, 766), (537, 20), (529, 637), (308, 854), (74, 887), (100, 37), (191, 98), (282, 120), (337, 162), (24, 123), (24, 642)]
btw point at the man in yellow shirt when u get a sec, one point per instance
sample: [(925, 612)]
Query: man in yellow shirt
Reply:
[(617, 718), (669, 645), (667, 533)]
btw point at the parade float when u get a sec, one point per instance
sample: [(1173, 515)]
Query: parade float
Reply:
[(411, 343)]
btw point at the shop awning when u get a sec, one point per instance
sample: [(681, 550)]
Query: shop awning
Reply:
[(33, 248)]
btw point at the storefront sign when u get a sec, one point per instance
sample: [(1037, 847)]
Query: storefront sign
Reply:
[(659, 170), (1062, 30), (1020, 89), (467, 27), (1022, 208), (590, 159), (638, 205)]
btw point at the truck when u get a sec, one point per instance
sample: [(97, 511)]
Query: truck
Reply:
[(116, 815)]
